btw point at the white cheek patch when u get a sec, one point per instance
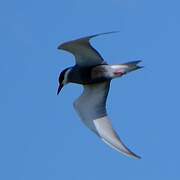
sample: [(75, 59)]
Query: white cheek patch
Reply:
[(65, 81)]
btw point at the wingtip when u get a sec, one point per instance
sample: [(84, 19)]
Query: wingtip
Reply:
[(99, 34), (135, 156), (129, 153), (138, 157), (126, 151), (60, 47)]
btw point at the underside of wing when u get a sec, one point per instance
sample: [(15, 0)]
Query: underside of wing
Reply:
[(110, 137), (92, 103), (91, 107), (84, 53)]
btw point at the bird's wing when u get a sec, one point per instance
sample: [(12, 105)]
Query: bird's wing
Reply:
[(85, 54), (91, 107)]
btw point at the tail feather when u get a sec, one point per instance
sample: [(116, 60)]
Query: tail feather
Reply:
[(133, 62), (133, 65)]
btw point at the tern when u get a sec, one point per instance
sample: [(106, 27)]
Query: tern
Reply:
[(95, 75)]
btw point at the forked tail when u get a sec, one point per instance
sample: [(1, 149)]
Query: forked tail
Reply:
[(132, 66)]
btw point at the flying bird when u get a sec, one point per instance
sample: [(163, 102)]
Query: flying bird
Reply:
[(93, 72)]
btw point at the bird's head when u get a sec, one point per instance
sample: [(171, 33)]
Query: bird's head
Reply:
[(63, 79)]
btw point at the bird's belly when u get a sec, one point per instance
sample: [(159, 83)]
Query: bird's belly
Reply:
[(88, 75)]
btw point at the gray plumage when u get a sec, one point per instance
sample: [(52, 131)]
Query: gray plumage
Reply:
[(95, 75)]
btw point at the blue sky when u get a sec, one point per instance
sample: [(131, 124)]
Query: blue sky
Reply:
[(42, 137)]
